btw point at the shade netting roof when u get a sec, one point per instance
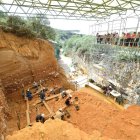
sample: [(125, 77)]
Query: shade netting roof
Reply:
[(71, 9)]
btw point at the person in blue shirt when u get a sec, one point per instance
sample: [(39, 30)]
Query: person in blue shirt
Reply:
[(42, 95), (29, 94)]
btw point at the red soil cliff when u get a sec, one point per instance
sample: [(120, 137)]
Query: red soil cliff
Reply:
[(24, 60)]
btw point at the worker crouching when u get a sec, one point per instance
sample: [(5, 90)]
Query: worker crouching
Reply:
[(76, 103), (42, 95), (40, 118), (68, 101), (29, 94), (59, 114)]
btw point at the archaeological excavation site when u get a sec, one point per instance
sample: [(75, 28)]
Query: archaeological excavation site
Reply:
[(69, 70)]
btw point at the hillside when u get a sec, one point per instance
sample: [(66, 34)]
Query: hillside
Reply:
[(24, 60)]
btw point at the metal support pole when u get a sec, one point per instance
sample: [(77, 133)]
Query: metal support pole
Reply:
[(124, 26), (112, 26), (120, 26), (138, 24), (108, 28)]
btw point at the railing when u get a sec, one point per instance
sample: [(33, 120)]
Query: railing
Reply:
[(132, 42)]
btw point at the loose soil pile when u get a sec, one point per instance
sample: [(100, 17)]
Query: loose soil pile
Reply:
[(97, 117), (54, 130), (98, 114)]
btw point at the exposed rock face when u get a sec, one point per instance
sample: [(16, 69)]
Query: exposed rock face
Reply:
[(23, 60), (103, 68)]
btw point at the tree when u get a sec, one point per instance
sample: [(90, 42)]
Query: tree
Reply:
[(3, 17), (15, 21)]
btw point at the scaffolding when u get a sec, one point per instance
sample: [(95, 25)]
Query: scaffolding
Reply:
[(127, 24), (96, 10)]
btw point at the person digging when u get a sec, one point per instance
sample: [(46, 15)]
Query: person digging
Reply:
[(76, 103), (68, 101), (40, 118)]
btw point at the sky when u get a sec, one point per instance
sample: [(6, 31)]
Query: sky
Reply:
[(81, 25)]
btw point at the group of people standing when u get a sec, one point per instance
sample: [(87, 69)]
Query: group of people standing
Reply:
[(126, 39)]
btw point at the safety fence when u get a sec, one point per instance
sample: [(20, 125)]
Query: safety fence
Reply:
[(128, 42)]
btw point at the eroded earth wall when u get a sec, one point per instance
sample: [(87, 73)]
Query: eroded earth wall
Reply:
[(24, 60), (103, 68), (4, 113)]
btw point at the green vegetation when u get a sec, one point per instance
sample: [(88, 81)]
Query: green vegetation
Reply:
[(86, 46), (63, 35), (78, 43), (3, 18), (31, 27)]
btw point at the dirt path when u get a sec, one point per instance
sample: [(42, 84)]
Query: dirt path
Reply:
[(65, 63)]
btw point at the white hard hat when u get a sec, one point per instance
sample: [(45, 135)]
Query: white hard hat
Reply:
[(60, 109), (70, 95), (28, 90), (43, 115)]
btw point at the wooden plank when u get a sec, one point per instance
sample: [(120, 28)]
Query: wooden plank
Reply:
[(54, 96), (28, 113), (39, 90), (95, 87), (27, 103), (48, 108), (48, 98), (28, 118)]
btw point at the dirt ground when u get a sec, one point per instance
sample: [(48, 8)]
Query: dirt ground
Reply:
[(97, 116), (51, 130)]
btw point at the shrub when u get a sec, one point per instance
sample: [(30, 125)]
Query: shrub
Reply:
[(15, 22), (33, 27)]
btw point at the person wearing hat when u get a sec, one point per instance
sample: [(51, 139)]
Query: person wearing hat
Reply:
[(35, 85), (40, 118), (42, 95), (63, 94), (76, 103), (59, 114), (68, 100), (29, 94)]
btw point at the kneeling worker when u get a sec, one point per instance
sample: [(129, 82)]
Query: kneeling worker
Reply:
[(59, 114), (29, 94), (40, 118), (63, 94), (42, 95), (68, 100), (76, 103)]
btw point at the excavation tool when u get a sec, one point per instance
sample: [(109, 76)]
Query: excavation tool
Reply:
[(48, 108)]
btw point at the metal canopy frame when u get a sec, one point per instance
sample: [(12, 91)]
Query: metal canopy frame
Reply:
[(95, 10)]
